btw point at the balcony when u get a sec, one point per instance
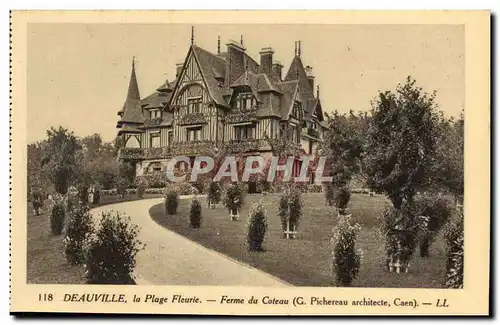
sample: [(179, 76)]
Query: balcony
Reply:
[(144, 153), (193, 148), (249, 145)]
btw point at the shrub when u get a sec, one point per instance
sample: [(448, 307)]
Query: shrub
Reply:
[(83, 193), (111, 252), (256, 228), (290, 209), (233, 199), (154, 191), (97, 195), (454, 237), (314, 188), (329, 192), (121, 187), (342, 197), (195, 214), (185, 188), (140, 190), (401, 230), (346, 260), (56, 218), (78, 226), (214, 192), (171, 202), (438, 211)]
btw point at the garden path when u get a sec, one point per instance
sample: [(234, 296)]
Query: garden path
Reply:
[(172, 259)]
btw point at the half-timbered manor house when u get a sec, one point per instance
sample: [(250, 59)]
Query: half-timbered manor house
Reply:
[(223, 98)]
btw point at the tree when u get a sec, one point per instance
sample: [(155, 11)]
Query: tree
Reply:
[(60, 158), (401, 142), (343, 147), (449, 174)]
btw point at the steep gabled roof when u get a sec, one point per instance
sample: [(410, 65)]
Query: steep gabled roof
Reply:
[(131, 111), (211, 66), (297, 72), (289, 89)]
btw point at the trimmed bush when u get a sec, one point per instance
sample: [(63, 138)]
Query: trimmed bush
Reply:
[(256, 227), (83, 193), (454, 237), (438, 211), (195, 214), (402, 230), (78, 226), (214, 192), (233, 200), (314, 188), (342, 197), (111, 251), (140, 190), (97, 195), (171, 202), (290, 209), (346, 260), (56, 218), (329, 192)]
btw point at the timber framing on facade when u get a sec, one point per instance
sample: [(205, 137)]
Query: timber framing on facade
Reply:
[(221, 99)]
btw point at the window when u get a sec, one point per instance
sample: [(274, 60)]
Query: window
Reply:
[(156, 167), (155, 140), (245, 101), (194, 105), (244, 132), (271, 129), (155, 113), (297, 110), (170, 137), (193, 134)]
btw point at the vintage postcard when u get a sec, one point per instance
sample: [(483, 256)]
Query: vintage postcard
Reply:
[(250, 162)]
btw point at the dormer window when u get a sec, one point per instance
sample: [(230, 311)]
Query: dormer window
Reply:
[(297, 110), (155, 113), (194, 105), (245, 101)]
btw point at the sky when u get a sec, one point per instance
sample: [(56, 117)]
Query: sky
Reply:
[(78, 74)]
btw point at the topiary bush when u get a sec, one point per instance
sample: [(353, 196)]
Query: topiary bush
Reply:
[(329, 192), (78, 226), (342, 197), (97, 195), (56, 218), (454, 237), (83, 193), (346, 259), (233, 199), (214, 192), (110, 253), (290, 209), (141, 188), (256, 227), (438, 211), (195, 214), (402, 230), (171, 202)]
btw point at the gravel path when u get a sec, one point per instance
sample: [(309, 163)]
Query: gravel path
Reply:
[(172, 259)]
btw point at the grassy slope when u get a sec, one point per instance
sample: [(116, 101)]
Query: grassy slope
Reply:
[(306, 260)]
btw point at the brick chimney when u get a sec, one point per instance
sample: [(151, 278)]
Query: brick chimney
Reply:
[(277, 70), (266, 60), (236, 61), (310, 76), (178, 70)]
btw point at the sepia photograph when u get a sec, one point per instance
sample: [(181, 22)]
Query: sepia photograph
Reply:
[(264, 155)]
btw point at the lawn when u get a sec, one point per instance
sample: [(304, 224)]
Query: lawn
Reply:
[(46, 262), (305, 261)]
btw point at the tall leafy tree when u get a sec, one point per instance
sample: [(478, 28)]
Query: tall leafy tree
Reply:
[(401, 143), (343, 147), (60, 158)]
